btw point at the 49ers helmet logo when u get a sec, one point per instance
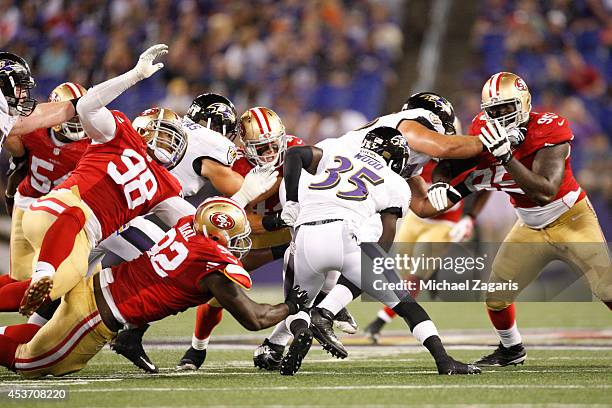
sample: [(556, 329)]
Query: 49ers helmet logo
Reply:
[(222, 221), (520, 84)]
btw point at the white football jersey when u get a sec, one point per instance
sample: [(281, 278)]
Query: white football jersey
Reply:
[(417, 160), (6, 121), (351, 186), (202, 143)]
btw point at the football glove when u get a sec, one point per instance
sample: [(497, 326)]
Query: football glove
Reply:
[(291, 209), (257, 181), (296, 299), (439, 195), (495, 139), (462, 230), (145, 67), (516, 135)]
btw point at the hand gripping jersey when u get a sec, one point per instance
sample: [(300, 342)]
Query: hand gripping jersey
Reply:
[(49, 164), (454, 213), (203, 143), (352, 186), (166, 279), (352, 140), (543, 130), (118, 180)]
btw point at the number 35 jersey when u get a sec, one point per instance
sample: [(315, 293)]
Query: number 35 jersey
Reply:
[(351, 186), (118, 180)]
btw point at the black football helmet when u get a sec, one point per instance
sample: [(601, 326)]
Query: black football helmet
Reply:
[(215, 112), (390, 144), (438, 105), (15, 82)]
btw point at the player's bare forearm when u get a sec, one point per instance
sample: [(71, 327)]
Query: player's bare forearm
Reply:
[(45, 115), (541, 184), (255, 220), (419, 204), (225, 180), (251, 315), (389, 222), (446, 170), (14, 145), (438, 145), (476, 206), (296, 159)]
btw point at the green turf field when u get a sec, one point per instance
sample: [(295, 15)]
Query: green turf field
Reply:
[(569, 364)]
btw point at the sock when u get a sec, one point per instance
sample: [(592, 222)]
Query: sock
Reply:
[(59, 240), (320, 296), (46, 310), (337, 299), (6, 279), (302, 315), (505, 324), (386, 314), (436, 348), (280, 335), (207, 318), (37, 319), (11, 295), (21, 333), (8, 347)]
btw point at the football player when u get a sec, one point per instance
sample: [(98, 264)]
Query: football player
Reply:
[(427, 236), (41, 160), (194, 262), (121, 176), (349, 187), (19, 112), (529, 158)]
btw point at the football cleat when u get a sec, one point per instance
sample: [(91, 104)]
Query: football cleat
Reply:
[(35, 296), (192, 360), (504, 356), (372, 331), (128, 344), (321, 324), (450, 366), (291, 363), (345, 321), (268, 356)]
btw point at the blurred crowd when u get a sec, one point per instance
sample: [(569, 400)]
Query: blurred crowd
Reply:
[(562, 50), (324, 65)]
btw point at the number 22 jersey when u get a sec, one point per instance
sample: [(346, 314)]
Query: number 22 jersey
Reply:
[(118, 180)]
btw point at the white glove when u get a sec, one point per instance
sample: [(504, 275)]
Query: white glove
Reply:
[(516, 135), (291, 209), (438, 194), (257, 181), (462, 230), (145, 67), (495, 140)]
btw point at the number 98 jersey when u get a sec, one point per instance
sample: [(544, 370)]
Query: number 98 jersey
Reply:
[(351, 186)]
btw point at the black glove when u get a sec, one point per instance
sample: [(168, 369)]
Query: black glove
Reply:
[(273, 222), (10, 203), (296, 300)]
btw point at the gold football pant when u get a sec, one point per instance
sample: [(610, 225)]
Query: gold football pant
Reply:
[(426, 237), (36, 222), (22, 252), (575, 238), (69, 340)]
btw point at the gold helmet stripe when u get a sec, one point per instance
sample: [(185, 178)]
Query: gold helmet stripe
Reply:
[(76, 92), (260, 118)]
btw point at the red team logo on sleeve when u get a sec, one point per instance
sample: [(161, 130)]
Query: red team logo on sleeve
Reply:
[(222, 221)]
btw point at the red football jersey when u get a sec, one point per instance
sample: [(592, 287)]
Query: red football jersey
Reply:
[(242, 166), (165, 280), (453, 214), (118, 180), (49, 164), (543, 130)]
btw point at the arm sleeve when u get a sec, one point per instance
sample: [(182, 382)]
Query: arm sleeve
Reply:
[(296, 159), (97, 120), (173, 209)]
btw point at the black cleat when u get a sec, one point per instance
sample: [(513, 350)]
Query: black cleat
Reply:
[(291, 363), (192, 360), (128, 343), (321, 324), (268, 356), (345, 321), (503, 356), (450, 366), (373, 330)]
